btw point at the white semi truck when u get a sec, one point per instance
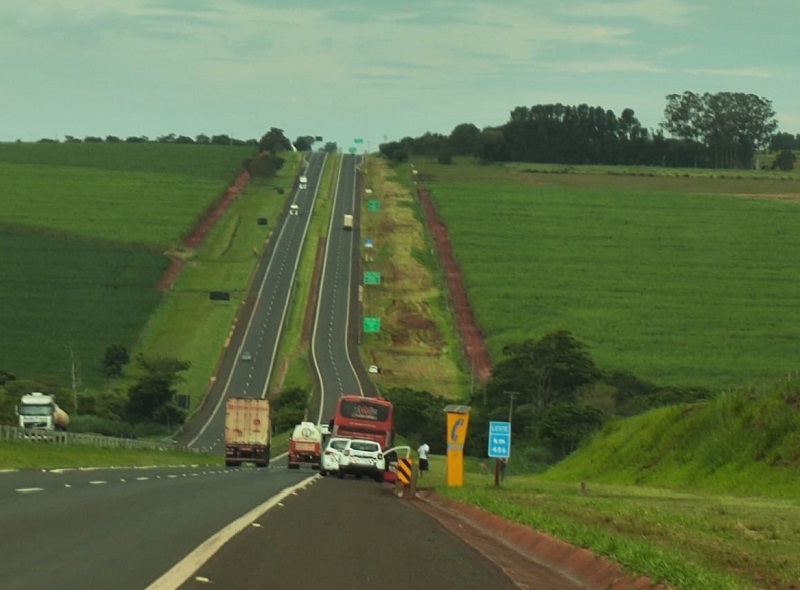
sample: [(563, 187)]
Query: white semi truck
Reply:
[(39, 410)]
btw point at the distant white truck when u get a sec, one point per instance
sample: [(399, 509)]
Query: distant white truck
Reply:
[(348, 221), (39, 410), (303, 181)]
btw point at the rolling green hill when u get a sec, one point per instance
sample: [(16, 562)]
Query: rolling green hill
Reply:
[(741, 442), (83, 232), (690, 280)]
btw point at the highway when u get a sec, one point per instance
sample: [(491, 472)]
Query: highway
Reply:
[(190, 527), (336, 325), (119, 528), (262, 321)]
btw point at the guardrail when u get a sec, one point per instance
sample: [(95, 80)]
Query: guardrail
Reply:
[(35, 435)]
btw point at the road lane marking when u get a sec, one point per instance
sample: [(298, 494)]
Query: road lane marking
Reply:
[(28, 490), (181, 571)]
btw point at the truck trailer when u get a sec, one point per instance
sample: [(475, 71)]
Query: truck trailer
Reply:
[(39, 410), (248, 431), (348, 222)]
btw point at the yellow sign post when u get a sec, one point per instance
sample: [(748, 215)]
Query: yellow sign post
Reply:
[(457, 422)]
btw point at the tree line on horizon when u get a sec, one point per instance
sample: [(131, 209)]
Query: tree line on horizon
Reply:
[(721, 130), (273, 140)]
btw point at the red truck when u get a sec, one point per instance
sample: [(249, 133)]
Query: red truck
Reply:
[(305, 446)]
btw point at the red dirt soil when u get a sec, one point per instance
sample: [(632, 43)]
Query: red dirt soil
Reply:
[(201, 229), (472, 338)]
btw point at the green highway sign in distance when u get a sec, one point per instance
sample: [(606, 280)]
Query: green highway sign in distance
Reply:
[(358, 140), (352, 150), (372, 277), (374, 205), (372, 324)]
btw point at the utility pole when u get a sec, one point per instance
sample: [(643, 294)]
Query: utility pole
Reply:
[(498, 469), (511, 395), (75, 373)]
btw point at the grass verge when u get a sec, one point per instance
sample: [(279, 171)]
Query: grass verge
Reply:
[(691, 541)]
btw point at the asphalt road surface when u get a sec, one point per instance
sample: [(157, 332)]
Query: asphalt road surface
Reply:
[(261, 322), (119, 528), (352, 534)]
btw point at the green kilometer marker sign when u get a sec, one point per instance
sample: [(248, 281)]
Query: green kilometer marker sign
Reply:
[(372, 277), (372, 324), (374, 205)]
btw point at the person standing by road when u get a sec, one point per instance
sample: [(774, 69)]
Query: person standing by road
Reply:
[(423, 451)]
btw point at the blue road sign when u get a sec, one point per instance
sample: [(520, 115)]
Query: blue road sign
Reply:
[(499, 440)]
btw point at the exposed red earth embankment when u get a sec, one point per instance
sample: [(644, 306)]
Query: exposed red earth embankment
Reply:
[(471, 337), (200, 231)]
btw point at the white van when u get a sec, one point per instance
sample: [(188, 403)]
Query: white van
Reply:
[(303, 182), (294, 209)]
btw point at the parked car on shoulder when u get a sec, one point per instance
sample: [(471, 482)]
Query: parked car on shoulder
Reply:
[(360, 458), (331, 455)]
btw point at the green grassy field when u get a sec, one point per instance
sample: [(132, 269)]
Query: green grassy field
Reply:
[(210, 162), (671, 278), (417, 342), (70, 220), (190, 326), (64, 296)]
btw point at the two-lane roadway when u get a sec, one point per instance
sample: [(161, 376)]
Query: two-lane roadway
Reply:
[(260, 330)]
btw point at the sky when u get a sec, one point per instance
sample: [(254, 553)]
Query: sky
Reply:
[(377, 70)]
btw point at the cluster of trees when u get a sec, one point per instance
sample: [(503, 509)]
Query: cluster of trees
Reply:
[(721, 130), (551, 391), (274, 140), (784, 141), (201, 139), (148, 407)]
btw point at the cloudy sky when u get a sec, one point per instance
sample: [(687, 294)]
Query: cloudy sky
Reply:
[(375, 69)]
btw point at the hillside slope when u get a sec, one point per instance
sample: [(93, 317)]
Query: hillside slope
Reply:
[(741, 442)]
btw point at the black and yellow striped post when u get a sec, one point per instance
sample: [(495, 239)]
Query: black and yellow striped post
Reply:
[(405, 474)]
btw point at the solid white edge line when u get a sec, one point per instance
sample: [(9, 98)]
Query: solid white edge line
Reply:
[(181, 571)]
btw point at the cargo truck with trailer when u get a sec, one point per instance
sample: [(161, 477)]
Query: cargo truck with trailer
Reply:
[(348, 221), (248, 431)]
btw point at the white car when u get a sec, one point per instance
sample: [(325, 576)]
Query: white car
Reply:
[(374, 369), (331, 455), (360, 458)]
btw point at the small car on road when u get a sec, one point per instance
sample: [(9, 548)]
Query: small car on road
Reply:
[(331, 455), (360, 458), (247, 356)]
